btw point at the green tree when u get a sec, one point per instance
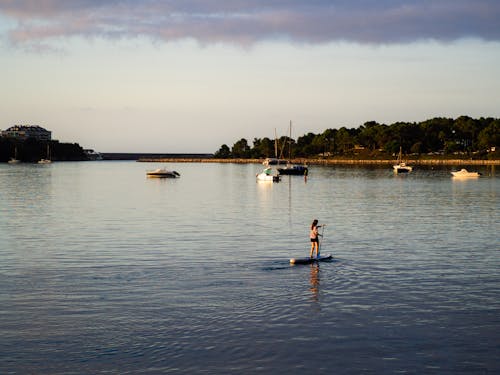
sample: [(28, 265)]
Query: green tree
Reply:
[(490, 136), (223, 153), (344, 142), (329, 141), (262, 148), (303, 145), (369, 135), (465, 129), (241, 149), (434, 133)]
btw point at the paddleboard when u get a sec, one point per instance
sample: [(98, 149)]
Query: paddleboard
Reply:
[(321, 258)]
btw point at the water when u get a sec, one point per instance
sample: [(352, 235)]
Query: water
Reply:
[(105, 271)]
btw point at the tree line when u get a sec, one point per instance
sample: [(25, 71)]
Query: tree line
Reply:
[(438, 136)]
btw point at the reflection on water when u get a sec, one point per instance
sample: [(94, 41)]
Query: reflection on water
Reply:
[(314, 281), (103, 270)]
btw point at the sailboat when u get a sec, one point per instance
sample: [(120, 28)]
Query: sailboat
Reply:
[(14, 160), (401, 166), (46, 161), (274, 161), (293, 169)]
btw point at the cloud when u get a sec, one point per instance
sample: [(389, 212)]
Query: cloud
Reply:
[(39, 22)]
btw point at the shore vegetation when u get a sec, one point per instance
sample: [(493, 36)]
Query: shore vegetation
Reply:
[(31, 150), (463, 137)]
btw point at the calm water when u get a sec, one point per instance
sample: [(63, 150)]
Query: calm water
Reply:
[(105, 271)]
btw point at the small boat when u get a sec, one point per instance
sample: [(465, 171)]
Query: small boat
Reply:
[(401, 166), (267, 175), (46, 161), (162, 173), (295, 170), (275, 161), (464, 173), (14, 160)]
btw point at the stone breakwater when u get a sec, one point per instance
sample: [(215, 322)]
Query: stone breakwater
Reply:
[(459, 162)]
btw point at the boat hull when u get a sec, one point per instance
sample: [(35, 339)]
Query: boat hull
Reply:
[(295, 170), (464, 173), (162, 173), (266, 177), (402, 168)]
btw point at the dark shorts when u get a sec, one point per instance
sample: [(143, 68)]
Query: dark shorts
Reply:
[(314, 240)]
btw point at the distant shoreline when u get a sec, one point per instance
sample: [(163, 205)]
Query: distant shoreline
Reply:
[(325, 161)]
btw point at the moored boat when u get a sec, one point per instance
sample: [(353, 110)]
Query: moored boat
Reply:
[(14, 160), (162, 173), (274, 161), (292, 169), (401, 166), (464, 173), (268, 175), (48, 160)]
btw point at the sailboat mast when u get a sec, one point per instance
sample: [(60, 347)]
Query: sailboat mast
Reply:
[(275, 144)]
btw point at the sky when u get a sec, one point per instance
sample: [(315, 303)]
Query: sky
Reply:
[(179, 76)]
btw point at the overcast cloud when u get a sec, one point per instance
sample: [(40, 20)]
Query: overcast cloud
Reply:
[(243, 22)]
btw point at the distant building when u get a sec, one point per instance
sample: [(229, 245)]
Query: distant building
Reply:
[(23, 132)]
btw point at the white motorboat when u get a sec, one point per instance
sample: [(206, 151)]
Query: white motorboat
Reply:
[(268, 175), (401, 166), (162, 173), (464, 173)]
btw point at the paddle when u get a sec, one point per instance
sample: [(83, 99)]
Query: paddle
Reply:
[(321, 240)]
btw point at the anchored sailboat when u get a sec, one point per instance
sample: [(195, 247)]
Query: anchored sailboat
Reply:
[(401, 166), (292, 169), (48, 160), (275, 161), (14, 160)]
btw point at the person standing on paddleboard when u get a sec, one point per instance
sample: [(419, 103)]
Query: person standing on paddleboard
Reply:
[(314, 236)]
